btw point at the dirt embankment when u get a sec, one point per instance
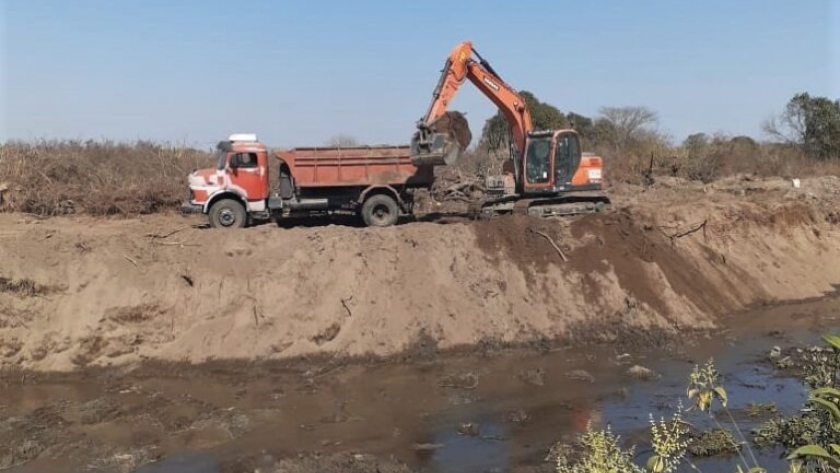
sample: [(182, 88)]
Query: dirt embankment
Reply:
[(77, 292)]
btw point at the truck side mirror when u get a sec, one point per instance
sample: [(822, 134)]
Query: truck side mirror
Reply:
[(234, 161)]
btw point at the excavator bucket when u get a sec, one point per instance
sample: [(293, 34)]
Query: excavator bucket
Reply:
[(442, 142), (434, 149)]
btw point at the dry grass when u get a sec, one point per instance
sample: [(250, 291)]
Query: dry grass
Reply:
[(720, 159), (97, 178), (105, 178), (647, 159), (21, 287)]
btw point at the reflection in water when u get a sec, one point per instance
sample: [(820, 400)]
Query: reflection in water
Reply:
[(487, 451), (195, 463)]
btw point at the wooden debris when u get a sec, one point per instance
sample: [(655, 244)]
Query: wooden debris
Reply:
[(551, 240)]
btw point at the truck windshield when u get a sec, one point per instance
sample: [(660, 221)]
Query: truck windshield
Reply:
[(221, 157), (537, 160)]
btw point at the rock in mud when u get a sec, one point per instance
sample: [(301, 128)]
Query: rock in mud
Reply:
[(459, 381), (460, 399), (535, 376), (581, 375), (642, 373), (421, 447), (516, 417), (99, 410), (470, 429)]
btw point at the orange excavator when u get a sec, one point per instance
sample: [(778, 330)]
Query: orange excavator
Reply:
[(547, 174)]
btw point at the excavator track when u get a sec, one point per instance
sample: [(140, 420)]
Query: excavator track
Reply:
[(563, 205)]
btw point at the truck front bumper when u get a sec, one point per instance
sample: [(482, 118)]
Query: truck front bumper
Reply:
[(190, 208)]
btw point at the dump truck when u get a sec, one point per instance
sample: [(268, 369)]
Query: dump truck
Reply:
[(375, 183)]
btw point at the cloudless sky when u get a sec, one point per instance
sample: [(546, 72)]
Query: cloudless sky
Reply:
[(300, 72)]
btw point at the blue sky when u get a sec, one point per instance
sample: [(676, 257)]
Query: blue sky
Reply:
[(300, 72)]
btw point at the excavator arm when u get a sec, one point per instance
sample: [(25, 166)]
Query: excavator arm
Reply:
[(430, 146)]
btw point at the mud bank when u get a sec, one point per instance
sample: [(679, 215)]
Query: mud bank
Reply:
[(79, 292), (469, 413)]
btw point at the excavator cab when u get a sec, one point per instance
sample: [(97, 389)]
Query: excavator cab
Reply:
[(538, 162), (553, 163)]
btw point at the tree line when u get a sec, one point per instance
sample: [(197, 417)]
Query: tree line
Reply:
[(802, 139), (809, 123)]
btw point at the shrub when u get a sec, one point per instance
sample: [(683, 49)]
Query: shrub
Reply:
[(97, 178)]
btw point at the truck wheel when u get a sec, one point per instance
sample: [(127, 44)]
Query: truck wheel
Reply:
[(380, 211), (228, 213)]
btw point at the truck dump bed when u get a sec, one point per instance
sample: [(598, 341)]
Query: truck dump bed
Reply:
[(355, 166)]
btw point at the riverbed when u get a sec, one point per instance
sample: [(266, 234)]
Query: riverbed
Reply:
[(491, 410)]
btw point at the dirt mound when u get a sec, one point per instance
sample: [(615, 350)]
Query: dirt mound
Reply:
[(79, 292), (455, 125), (627, 249), (524, 241)]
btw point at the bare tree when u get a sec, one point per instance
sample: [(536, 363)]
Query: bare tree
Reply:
[(811, 123), (343, 141), (789, 126), (623, 125)]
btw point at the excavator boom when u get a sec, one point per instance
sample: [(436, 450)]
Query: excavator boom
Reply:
[(431, 146)]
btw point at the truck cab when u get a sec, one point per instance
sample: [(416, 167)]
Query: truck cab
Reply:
[(239, 180)]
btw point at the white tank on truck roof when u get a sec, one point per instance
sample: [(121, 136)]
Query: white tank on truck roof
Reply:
[(243, 137)]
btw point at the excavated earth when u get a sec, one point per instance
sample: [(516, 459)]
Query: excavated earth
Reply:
[(156, 341), (677, 257)]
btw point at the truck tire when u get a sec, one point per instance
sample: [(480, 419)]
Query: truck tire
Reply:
[(380, 210), (228, 213)]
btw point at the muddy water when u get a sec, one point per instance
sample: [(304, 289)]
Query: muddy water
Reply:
[(473, 413)]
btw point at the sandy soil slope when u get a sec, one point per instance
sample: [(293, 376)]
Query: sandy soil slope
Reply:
[(676, 256)]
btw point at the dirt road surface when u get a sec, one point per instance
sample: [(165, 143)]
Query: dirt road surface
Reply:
[(102, 299)]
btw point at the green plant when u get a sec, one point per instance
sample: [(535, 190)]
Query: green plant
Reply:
[(812, 123), (758, 409), (823, 455), (712, 443), (601, 454), (705, 388), (496, 132), (812, 438), (668, 439)]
